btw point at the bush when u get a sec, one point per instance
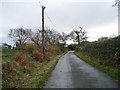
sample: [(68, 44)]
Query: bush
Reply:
[(20, 58), (105, 50), (38, 55), (31, 47), (13, 74), (53, 50), (117, 59)]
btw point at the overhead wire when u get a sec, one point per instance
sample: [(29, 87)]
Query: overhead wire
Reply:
[(50, 20), (47, 15)]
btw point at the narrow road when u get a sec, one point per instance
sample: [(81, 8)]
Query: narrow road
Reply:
[(72, 72)]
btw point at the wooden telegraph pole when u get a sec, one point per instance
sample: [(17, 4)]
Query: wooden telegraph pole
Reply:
[(117, 3), (119, 17), (43, 31)]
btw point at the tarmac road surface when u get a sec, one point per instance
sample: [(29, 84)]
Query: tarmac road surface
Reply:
[(72, 72)]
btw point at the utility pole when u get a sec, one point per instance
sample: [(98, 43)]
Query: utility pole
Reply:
[(43, 31), (119, 18), (117, 3)]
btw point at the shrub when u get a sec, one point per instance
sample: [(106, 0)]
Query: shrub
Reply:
[(37, 55), (53, 50), (105, 50), (117, 59), (31, 47), (20, 58)]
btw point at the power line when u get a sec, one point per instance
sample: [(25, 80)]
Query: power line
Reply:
[(47, 15), (50, 20)]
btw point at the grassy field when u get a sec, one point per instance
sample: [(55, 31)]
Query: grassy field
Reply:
[(7, 54), (32, 76)]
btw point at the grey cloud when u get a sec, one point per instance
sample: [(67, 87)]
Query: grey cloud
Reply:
[(64, 15), (86, 14)]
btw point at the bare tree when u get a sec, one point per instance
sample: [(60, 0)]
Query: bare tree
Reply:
[(36, 37), (116, 3), (79, 35), (51, 36), (19, 36)]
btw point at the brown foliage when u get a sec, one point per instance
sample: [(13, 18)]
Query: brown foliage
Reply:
[(31, 47), (38, 55), (20, 58)]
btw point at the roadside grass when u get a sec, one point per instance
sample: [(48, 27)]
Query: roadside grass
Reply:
[(113, 72), (41, 74), (34, 76)]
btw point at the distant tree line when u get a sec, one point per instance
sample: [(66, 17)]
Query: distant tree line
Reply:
[(23, 36)]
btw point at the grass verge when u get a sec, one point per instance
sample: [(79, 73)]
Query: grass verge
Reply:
[(34, 77), (41, 74), (113, 72)]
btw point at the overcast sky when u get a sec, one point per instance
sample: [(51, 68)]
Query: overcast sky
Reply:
[(97, 17)]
